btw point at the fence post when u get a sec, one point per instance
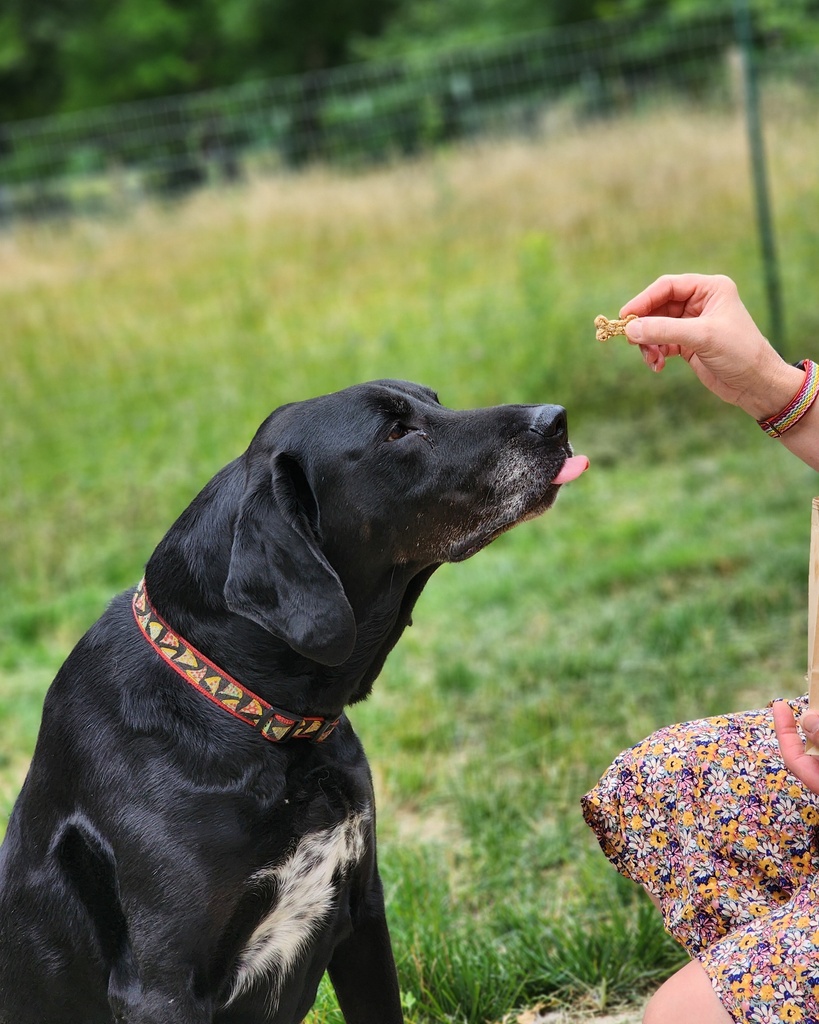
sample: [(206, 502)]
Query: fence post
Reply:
[(742, 18)]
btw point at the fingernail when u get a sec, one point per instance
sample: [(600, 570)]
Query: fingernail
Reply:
[(634, 331)]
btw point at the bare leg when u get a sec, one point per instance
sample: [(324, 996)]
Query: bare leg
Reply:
[(687, 996)]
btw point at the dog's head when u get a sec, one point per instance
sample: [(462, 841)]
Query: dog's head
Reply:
[(346, 490)]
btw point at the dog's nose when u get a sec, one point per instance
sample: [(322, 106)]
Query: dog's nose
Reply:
[(550, 421)]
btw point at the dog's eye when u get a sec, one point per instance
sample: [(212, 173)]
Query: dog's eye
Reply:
[(398, 431)]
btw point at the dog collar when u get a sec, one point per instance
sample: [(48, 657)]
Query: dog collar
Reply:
[(220, 688)]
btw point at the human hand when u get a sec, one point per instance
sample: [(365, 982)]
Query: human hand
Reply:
[(703, 319), (804, 766)]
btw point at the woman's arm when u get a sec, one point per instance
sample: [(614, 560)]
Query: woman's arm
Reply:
[(702, 319)]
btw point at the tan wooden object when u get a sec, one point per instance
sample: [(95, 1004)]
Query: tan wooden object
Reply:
[(813, 619)]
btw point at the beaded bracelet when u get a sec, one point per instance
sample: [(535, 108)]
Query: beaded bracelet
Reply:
[(793, 412)]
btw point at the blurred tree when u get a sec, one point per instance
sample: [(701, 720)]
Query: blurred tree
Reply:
[(434, 23), (290, 36), (32, 78), (132, 49), (58, 55), (63, 55)]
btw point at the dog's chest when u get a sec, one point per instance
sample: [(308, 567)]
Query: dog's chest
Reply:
[(306, 885)]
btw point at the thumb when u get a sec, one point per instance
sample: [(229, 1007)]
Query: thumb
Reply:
[(810, 725), (665, 330)]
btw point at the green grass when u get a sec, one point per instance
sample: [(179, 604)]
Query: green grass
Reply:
[(669, 582)]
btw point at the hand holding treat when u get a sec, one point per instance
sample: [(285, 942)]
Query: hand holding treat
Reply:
[(702, 319)]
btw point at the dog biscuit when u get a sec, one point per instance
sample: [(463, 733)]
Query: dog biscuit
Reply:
[(608, 328)]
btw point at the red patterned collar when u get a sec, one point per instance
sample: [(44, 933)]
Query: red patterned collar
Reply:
[(272, 723)]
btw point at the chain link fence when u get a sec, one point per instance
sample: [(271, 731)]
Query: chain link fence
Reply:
[(108, 159)]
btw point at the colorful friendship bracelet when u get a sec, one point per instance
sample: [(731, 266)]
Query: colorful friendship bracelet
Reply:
[(775, 426)]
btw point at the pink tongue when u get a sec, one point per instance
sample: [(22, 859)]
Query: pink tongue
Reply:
[(572, 468)]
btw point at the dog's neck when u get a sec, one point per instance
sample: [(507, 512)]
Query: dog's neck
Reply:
[(266, 664), (186, 557)]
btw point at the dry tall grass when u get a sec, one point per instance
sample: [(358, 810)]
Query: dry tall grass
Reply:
[(601, 188), (476, 270)]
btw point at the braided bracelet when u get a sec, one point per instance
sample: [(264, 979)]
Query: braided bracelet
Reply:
[(793, 412)]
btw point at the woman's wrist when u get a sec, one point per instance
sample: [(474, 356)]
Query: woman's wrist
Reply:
[(799, 406), (772, 390)]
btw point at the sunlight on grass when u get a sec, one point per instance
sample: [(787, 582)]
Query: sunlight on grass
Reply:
[(669, 582)]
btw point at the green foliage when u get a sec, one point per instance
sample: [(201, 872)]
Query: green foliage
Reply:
[(432, 24), (58, 56), (136, 48)]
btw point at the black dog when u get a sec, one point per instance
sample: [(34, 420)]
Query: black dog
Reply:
[(168, 862)]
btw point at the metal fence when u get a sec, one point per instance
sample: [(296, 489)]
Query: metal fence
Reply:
[(360, 114), (355, 115)]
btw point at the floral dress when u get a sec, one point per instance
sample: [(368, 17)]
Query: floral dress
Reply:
[(705, 816)]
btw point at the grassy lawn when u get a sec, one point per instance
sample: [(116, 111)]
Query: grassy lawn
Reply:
[(669, 582)]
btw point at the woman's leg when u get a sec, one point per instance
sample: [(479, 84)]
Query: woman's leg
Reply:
[(705, 817), (686, 997)]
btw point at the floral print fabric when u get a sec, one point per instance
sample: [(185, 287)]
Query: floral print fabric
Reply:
[(705, 816)]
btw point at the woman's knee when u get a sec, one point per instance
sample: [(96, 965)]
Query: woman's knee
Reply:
[(687, 996)]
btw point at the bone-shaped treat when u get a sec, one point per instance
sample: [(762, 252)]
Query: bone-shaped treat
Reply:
[(608, 328)]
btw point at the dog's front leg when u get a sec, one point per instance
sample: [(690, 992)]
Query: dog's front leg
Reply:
[(363, 973)]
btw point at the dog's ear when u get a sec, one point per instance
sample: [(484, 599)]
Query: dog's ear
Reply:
[(278, 576)]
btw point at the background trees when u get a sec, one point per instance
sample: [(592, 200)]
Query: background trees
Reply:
[(61, 55)]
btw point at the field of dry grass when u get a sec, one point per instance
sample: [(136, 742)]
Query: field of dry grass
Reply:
[(478, 271)]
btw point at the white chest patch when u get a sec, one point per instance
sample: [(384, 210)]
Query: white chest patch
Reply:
[(306, 884)]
